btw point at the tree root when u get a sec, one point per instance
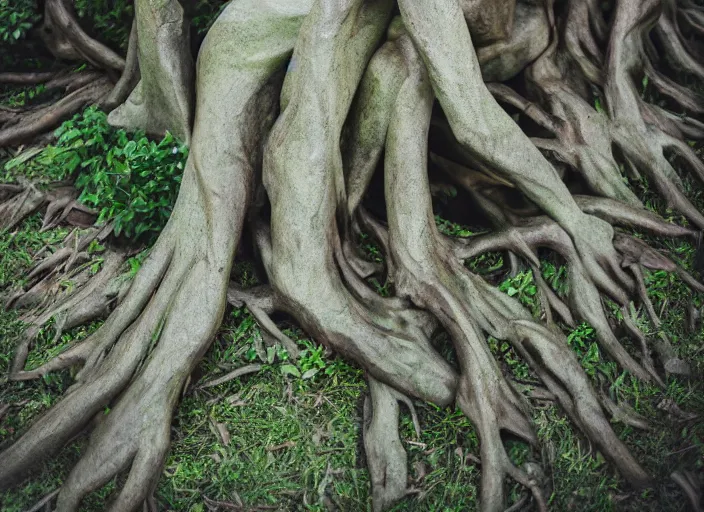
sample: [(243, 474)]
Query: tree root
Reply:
[(27, 78), (47, 118), (386, 456), (671, 41), (349, 97), (163, 98), (129, 78), (642, 144), (90, 298), (65, 38), (139, 360), (324, 307), (507, 57), (584, 296), (59, 199), (465, 99), (429, 275), (691, 487)]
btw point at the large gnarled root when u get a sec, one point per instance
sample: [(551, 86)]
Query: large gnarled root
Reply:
[(305, 186), (640, 131), (129, 77), (505, 58), (488, 133), (139, 360), (163, 98), (427, 272)]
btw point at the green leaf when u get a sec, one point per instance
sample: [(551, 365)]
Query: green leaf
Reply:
[(69, 135), (597, 105), (129, 148), (289, 369), (308, 374)]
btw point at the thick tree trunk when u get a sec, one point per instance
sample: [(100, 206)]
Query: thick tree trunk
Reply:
[(306, 140)]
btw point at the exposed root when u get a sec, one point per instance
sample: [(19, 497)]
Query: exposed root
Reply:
[(386, 457), (488, 21), (140, 359), (20, 201), (66, 39), (44, 502), (370, 117), (474, 117), (87, 303), (130, 75), (269, 328), (466, 305), (584, 297), (691, 487), (350, 96), (671, 40), (300, 261), (507, 57), (582, 134), (26, 200), (643, 145), (583, 43), (27, 78), (235, 374), (44, 119)]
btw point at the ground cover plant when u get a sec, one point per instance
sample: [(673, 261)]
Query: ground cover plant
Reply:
[(490, 212)]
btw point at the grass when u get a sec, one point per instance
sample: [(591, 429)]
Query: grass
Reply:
[(294, 435), (289, 435)]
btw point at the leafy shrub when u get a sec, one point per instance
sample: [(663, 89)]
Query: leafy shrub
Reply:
[(129, 179), (110, 20), (21, 96), (16, 18)]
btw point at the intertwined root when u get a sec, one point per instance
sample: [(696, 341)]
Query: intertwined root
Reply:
[(163, 98), (348, 98), (138, 361), (427, 271)]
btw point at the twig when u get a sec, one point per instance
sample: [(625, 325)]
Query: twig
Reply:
[(250, 368), (46, 499)]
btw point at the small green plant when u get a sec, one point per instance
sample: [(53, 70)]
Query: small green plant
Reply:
[(22, 96), (16, 18), (130, 180), (449, 228), (110, 19), (486, 263), (556, 277), (523, 288), (597, 105)]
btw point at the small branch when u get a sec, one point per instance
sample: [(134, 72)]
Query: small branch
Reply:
[(45, 500), (239, 372), (29, 78), (51, 116)]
